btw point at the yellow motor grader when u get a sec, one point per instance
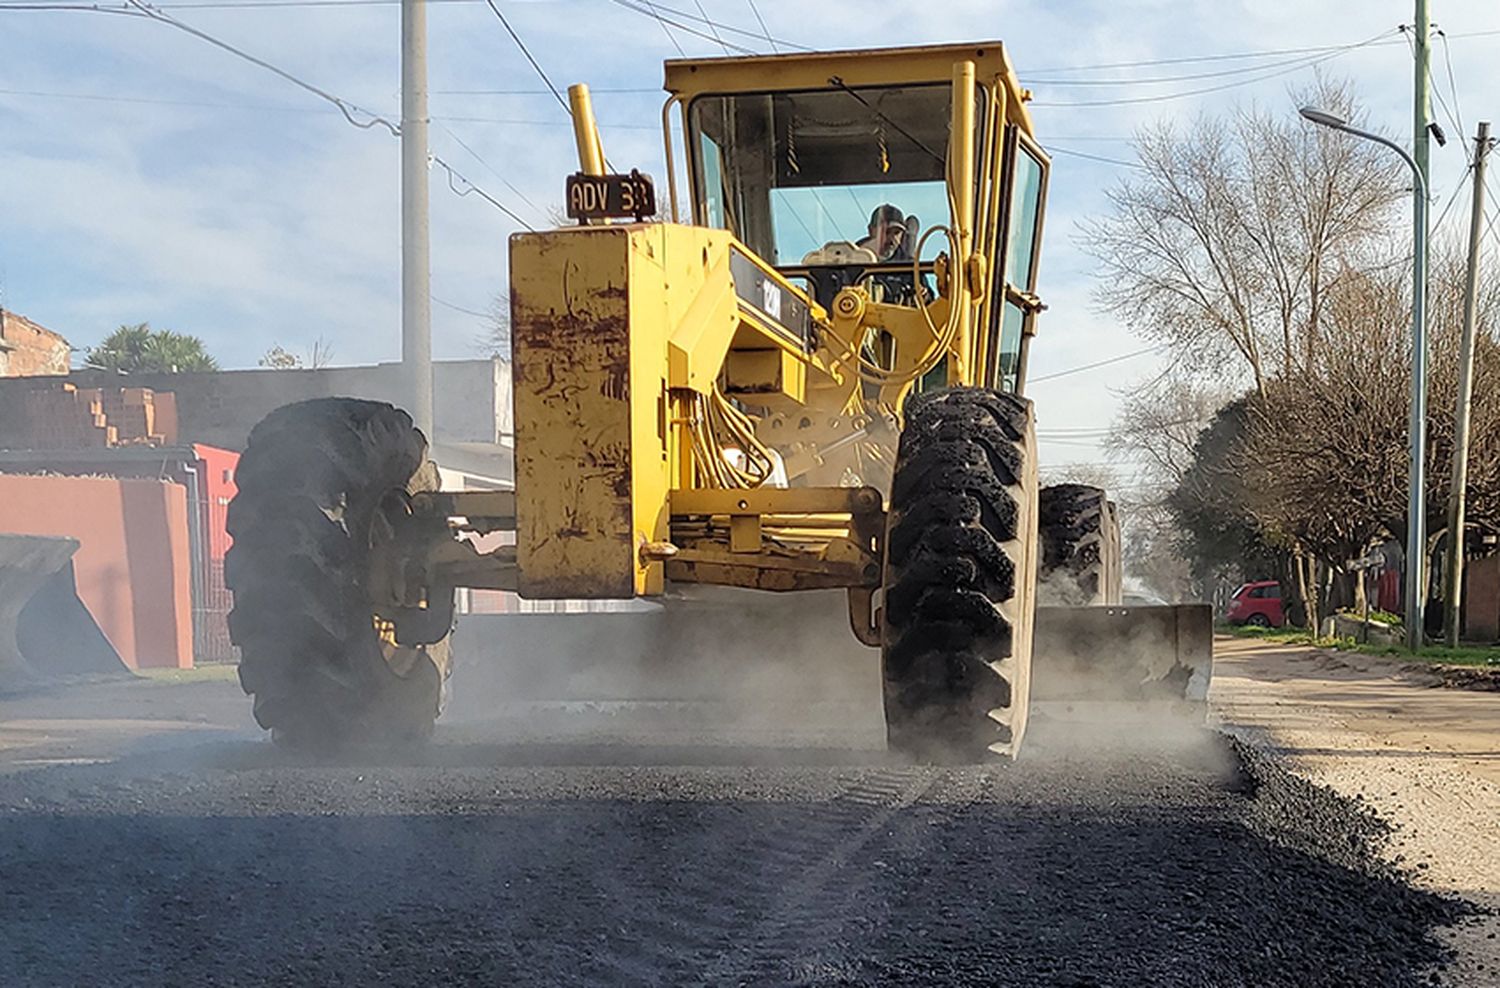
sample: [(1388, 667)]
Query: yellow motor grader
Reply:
[(786, 384)]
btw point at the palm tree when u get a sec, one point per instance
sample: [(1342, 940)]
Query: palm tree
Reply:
[(140, 350)]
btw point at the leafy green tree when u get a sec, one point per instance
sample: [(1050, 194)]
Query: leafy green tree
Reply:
[(139, 349)]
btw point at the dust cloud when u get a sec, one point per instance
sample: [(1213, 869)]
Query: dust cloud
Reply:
[(1112, 683), (715, 666), (723, 668)]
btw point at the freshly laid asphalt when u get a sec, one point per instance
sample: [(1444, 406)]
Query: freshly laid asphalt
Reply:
[(479, 861)]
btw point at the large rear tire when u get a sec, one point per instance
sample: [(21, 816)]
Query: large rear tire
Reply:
[(1080, 535), (314, 483), (960, 578)]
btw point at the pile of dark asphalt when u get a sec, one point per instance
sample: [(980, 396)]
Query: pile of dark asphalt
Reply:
[(476, 864)]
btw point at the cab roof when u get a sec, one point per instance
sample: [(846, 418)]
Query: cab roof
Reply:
[(687, 78)]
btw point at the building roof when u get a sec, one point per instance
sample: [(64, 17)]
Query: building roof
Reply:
[(7, 317)]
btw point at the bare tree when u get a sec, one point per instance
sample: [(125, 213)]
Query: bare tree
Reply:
[(1314, 466), (1225, 245), (1160, 422), (497, 340), (320, 354)]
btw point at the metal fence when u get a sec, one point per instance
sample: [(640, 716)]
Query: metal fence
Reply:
[(211, 598)]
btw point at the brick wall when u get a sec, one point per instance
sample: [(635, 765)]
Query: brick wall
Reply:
[(1482, 599), (27, 350), (471, 397)]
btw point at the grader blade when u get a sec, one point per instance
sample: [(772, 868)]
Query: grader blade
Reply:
[(722, 666), (1102, 663), (45, 630)]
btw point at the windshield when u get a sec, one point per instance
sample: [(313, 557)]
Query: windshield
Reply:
[(823, 177)]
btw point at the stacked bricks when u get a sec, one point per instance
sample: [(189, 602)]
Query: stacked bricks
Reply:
[(67, 419), (94, 418)]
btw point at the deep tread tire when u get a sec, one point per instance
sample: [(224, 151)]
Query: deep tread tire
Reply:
[(309, 484), (1080, 547), (960, 577)]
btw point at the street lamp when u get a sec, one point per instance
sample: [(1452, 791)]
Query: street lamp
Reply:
[(1416, 524)]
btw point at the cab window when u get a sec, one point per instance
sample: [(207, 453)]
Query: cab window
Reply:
[(794, 175)]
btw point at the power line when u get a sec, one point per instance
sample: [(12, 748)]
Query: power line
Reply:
[(477, 157), (1490, 226), (525, 51), (345, 107), (470, 189), (514, 122), (655, 11), (1088, 429), (711, 25), (1054, 149), (1458, 187), (96, 8), (1223, 57), (276, 108), (1165, 97), (665, 30), (531, 92), (1161, 80), (1438, 92), (1096, 364), (701, 17), (1453, 86), (153, 101), (717, 26), (755, 9), (459, 308)]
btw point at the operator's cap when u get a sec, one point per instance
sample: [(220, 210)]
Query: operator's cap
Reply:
[(886, 213)]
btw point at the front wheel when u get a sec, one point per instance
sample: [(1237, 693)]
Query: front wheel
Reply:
[(1258, 621), (323, 666), (960, 577)]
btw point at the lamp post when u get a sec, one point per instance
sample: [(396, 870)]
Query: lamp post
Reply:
[(1416, 522)]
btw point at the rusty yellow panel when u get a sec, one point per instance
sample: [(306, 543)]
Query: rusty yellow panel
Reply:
[(650, 289), (574, 413), (765, 372), (613, 329), (699, 309)]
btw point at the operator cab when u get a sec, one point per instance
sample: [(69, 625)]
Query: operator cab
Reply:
[(833, 167)]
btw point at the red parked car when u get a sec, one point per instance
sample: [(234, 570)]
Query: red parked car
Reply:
[(1257, 603)]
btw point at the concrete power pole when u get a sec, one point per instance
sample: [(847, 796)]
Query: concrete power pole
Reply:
[(1416, 525), (1453, 584), (416, 272)]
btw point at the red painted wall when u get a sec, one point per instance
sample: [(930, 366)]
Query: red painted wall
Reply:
[(217, 469), (132, 564)]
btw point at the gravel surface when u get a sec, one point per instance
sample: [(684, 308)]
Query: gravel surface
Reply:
[(229, 863), (1423, 758)]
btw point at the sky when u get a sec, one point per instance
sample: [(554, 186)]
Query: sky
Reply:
[(148, 176)]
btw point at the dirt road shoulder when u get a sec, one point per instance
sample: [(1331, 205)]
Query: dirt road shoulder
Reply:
[(1424, 757)]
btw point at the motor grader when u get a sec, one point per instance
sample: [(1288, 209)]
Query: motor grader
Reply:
[(786, 384)]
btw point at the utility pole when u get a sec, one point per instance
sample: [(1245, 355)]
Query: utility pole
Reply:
[(1453, 584), (1416, 525), (416, 272)]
